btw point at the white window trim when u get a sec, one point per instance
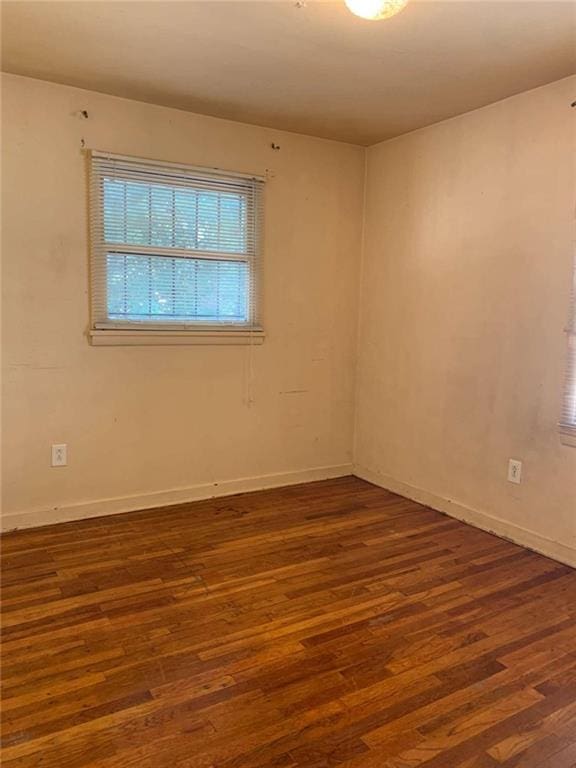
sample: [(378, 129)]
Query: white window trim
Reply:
[(110, 333), (123, 338)]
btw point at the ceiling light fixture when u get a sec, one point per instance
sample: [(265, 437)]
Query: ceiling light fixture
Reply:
[(375, 9)]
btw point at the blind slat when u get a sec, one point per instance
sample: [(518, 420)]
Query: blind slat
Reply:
[(568, 415), (173, 246)]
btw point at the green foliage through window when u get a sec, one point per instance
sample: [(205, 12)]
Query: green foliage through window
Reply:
[(180, 288)]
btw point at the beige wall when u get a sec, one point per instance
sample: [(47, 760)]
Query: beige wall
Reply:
[(469, 238), (145, 420), (464, 291)]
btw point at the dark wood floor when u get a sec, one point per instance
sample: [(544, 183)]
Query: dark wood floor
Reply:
[(320, 625)]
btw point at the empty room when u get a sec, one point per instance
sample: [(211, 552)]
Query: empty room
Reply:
[(288, 384)]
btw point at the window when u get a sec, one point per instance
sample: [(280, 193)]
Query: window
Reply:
[(175, 252), (568, 418)]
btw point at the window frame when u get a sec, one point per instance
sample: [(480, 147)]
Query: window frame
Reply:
[(113, 332)]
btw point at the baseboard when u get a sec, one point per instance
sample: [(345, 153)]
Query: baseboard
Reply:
[(86, 509), (502, 528)]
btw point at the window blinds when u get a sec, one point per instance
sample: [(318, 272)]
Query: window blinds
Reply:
[(173, 246), (568, 417)]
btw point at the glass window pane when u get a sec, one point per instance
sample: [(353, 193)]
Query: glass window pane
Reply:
[(139, 213), (172, 289)]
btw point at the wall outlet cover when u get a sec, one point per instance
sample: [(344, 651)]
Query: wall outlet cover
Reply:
[(515, 471), (59, 455)]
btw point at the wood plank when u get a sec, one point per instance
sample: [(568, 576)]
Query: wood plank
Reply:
[(332, 623)]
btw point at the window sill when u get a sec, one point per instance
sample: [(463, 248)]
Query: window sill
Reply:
[(117, 338), (568, 438)]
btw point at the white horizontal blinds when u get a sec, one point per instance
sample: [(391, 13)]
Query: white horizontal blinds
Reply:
[(568, 418), (173, 246)]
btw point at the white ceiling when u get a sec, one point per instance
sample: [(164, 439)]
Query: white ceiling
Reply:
[(317, 70)]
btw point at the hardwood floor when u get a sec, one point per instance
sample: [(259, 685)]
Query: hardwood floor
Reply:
[(325, 624)]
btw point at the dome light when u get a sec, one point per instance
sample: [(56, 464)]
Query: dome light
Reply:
[(375, 9)]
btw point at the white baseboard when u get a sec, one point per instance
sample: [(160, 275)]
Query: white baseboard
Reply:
[(502, 528), (85, 509)]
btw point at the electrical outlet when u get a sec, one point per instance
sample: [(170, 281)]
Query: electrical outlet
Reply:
[(59, 455), (515, 471)]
